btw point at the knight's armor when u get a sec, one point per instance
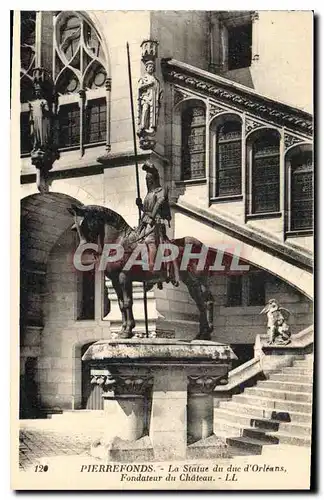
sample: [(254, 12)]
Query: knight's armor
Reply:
[(156, 216)]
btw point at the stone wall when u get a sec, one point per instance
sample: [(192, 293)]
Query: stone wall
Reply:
[(59, 363), (182, 35), (233, 325), (283, 41)]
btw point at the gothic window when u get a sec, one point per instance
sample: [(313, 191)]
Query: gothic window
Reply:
[(265, 174), (228, 159), (27, 53), (27, 65), (70, 50), (96, 120), (69, 119), (301, 195), (80, 76), (193, 143)]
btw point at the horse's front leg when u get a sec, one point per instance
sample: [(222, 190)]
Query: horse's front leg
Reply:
[(127, 291), (119, 292)]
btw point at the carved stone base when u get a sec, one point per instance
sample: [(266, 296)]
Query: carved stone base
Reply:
[(158, 389)]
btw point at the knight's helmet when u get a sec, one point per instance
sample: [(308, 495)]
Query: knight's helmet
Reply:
[(150, 168)]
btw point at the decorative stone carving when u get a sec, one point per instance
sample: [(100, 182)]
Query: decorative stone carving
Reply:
[(278, 328), (43, 124), (202, 384), (251, 124), (102, 378), (132, 385), (121, 384), (180, 95), (290, 140), (214, 110), (149, 97), (281, 113)]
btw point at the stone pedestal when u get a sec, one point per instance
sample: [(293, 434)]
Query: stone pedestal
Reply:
[(200, 416), (157, 395)]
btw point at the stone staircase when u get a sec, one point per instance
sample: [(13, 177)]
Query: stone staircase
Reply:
[(275, 411)]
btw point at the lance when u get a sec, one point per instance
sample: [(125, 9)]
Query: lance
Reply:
[(137, 174)]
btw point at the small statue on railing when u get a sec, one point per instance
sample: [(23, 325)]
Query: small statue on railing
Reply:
[(278, 328)]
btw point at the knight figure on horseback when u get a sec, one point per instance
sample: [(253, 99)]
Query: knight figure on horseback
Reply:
[(155, 216)]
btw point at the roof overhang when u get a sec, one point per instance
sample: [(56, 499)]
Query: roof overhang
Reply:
[(229, 92)]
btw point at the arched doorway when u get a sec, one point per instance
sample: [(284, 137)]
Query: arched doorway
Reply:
[(44, 221), (91, 393)]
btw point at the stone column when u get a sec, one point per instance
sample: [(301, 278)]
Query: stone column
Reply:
[(200, 407), (125, 401)]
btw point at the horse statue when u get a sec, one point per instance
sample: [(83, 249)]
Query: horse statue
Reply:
[(100, 225)]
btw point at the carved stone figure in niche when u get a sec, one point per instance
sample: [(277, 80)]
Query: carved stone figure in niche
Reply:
[(40, 121), (43, 127), (278, 328), (149, 101)]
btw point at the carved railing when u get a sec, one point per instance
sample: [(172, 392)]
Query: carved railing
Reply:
[(266, 360)]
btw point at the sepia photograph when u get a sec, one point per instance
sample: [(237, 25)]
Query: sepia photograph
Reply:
[(163, 178)]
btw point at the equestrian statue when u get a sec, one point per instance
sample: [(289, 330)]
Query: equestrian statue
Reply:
[(102, 226)]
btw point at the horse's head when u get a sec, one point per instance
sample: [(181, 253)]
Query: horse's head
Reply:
[(93, 221), (88, 222)]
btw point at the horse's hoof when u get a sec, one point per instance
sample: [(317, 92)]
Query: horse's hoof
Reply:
[(203, 336), (125, 335)]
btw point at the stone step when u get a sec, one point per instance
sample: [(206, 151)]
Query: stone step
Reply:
[(224, 428), (243, 421), (286, 377), (308, 363), (294, 440), (285, 386), (303, 364), (264, 413), (247, 443), (261, 435), (231, 416), (239, 452), (277, 437), (291, 370), (278, 394), (257, 443), (276, 404)]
